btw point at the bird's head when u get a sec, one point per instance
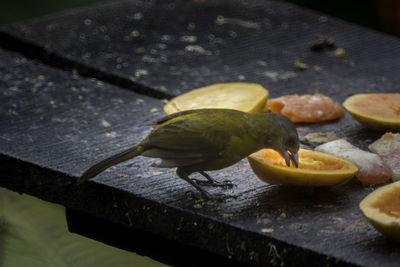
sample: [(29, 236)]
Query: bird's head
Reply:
[(286, 139)]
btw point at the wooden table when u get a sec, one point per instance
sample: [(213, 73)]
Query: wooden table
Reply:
[(81, 85)]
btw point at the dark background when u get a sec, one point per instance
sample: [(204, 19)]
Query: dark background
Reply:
[(381, 15), (14, 11)]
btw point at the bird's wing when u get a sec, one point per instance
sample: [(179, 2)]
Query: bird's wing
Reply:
[(188, 138)]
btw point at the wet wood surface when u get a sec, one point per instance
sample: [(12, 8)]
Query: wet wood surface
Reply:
[(79, 86)]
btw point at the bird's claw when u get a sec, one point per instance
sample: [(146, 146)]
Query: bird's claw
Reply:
[(229, 184)]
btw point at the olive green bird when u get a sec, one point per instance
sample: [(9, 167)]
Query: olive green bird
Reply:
[(209, 139)]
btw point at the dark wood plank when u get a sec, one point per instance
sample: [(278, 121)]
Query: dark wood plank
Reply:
[(146, 43), (54, 124)]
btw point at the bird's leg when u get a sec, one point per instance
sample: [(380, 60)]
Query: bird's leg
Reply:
[(185, 176), (212, 182)]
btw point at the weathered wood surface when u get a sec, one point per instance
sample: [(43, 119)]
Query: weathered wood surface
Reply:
[(55, 124), (175, 46)]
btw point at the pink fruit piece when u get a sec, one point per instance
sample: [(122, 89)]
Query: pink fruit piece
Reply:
[(371, 168), (388, 148), (306, 108)]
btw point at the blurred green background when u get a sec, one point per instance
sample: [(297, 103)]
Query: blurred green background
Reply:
[(34, 233)]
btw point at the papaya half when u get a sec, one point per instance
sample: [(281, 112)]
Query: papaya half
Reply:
[(382, 210), (315, 168), (247, 97), (379, 111)]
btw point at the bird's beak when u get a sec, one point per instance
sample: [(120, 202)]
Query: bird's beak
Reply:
[(291, 156), (294, 157)]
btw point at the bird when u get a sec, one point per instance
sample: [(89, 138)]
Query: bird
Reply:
[(203, 140)]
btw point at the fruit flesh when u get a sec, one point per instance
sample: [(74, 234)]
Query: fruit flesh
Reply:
[(306, 108), (315, 168), (378, 105), (388, 148), (379, 111), (372, 169), (389, 203), (382, 209), (307, 161)]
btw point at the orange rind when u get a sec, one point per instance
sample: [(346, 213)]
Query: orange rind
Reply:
[(247, 97)]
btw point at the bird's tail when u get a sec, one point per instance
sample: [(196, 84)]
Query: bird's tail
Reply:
[(108, 162)]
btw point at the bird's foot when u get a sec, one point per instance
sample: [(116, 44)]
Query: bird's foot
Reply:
[(211, 182), (196, 183)]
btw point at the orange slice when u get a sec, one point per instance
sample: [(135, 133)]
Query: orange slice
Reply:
[(306, 108), (382, 209), (380, 111), (315, 168), (247, 97)]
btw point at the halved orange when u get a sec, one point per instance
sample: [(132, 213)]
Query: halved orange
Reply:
[(247, 97), (315, 168), (380, 111), (382, 209)]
